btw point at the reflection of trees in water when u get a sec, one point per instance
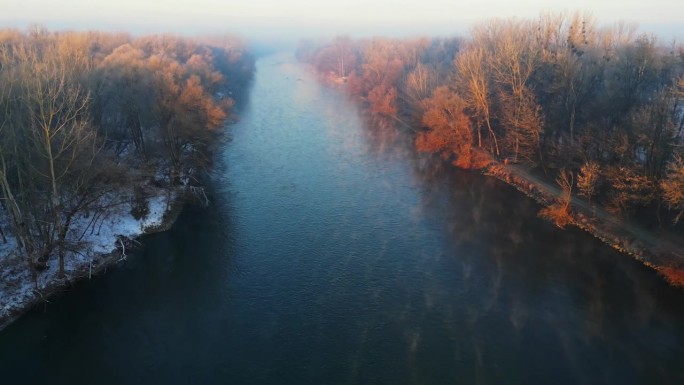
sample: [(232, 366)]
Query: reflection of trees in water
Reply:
[(535, 279), (385, 137), (517, 288)]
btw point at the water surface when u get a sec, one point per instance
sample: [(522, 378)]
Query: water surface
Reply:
[(332, 254)]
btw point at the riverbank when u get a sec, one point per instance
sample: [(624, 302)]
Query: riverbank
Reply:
[(105, 242), (660, 253), (657, 251)]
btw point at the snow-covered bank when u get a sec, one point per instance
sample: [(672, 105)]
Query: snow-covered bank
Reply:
[(102, 239)]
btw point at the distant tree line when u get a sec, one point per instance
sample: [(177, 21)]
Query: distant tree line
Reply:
[(88, 115), (601, 108)]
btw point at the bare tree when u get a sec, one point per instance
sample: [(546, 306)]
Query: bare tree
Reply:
[(512, 54), (475, 88), (58, 132), (8, 156), (419, 84)]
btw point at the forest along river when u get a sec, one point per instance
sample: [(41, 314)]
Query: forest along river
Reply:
[(332, 255)]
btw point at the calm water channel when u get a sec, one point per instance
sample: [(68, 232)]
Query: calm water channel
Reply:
[(332, 255)]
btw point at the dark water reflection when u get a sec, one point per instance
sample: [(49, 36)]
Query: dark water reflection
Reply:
[(333, 255)]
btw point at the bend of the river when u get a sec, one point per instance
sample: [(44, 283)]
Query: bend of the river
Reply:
[(332, 254)]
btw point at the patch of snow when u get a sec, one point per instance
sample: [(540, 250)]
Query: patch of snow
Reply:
[(102, 234), (11, 246), (96, 233), (158, 205)]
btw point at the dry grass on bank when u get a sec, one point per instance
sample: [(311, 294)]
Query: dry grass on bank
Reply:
[(673, 275), (557, 213)]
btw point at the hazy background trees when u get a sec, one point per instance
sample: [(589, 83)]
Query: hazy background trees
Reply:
[(605, 103)]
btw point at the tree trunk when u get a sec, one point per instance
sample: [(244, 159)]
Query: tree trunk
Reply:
[(61, 242), (2, 234), (479, 137), (491, 132), (24, 239), (572, 125)]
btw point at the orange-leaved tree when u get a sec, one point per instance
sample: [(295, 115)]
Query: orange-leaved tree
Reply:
[(448, 131)]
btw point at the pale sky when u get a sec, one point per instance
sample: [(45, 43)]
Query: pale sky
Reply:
[(310, 18)]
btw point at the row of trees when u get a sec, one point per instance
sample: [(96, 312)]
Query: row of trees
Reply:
[(604, 104), (87, 114)]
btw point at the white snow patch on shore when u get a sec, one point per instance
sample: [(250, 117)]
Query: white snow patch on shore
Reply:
[(97, 235), (7, 248)]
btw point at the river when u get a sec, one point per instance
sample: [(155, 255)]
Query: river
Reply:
[(332, 254)]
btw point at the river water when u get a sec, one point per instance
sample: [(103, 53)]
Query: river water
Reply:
[(332, 254)]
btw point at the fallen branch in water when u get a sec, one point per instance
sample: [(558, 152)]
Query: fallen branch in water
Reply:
[(123, 251)]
